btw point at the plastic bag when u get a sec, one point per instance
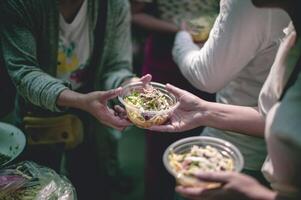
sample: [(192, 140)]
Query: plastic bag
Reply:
[(29, 181)]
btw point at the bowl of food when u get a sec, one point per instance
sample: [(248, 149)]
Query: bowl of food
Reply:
[(147, 104), (12, 143), (189, 156)]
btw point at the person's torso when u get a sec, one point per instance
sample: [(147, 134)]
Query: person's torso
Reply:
[(74, 49), (281, 167), (44, 22), (280, 72), (244, 89)]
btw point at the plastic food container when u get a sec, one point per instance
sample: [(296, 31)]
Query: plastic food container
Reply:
[(145, 118), (185, 145)]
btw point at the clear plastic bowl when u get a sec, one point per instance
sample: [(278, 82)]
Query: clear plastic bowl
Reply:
[(146, 119), (185, 145)]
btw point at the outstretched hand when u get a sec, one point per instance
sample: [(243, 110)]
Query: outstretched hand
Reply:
[(235, 186), (187, 116), (96, 104), (120, 111), (144, 79)]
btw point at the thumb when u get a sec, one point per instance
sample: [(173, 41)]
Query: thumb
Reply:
[(146, 78), (110, 94), (175, 91)]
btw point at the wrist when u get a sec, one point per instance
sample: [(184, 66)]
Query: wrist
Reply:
[(203, 109), (69, 98)]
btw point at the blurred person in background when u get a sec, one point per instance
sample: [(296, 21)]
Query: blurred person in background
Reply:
[(279, 102), (162, 18), (65, 57), (234, 62)]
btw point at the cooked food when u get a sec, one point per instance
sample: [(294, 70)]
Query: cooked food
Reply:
[(199, 159), (146, 106), (200, 28)]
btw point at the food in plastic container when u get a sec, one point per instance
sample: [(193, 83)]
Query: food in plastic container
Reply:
[(29, 181), (147, 104), (187, 157)]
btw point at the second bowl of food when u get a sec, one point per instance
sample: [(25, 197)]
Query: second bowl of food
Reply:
[(147, 104), (190, 156)]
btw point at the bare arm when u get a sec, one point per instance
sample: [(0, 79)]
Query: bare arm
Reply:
[(239, 119), (94, 103), (232, 44), (194, 112), (142, 19)]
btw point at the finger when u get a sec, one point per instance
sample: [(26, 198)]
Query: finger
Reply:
[(176, 91), (119, 123), (121, 112), (163, 128), (189, 193), (110, 94), (109, 117), (119, 128), (222, 177), (119, 109), (146, 78)]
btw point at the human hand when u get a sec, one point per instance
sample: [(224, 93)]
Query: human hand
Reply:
[(96, 104), (187, 116), (144, 79), (235, 186), (119, 111)]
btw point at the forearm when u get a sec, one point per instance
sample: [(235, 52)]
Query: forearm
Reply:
[(151, 23), (70, 99), (245, 120)]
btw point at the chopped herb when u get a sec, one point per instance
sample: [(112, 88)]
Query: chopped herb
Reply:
[(150, 99)]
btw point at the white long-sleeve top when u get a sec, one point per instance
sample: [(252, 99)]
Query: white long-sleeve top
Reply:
[(234, 62)]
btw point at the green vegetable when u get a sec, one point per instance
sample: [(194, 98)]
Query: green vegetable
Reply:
[(149, 100)]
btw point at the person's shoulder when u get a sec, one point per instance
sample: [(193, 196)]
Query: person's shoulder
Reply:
[(30, 5)]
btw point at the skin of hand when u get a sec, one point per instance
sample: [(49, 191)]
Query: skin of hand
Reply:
[(187, 116), (194, 112), (121, 112), (235, 186), (144, 79), (96, 102)]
